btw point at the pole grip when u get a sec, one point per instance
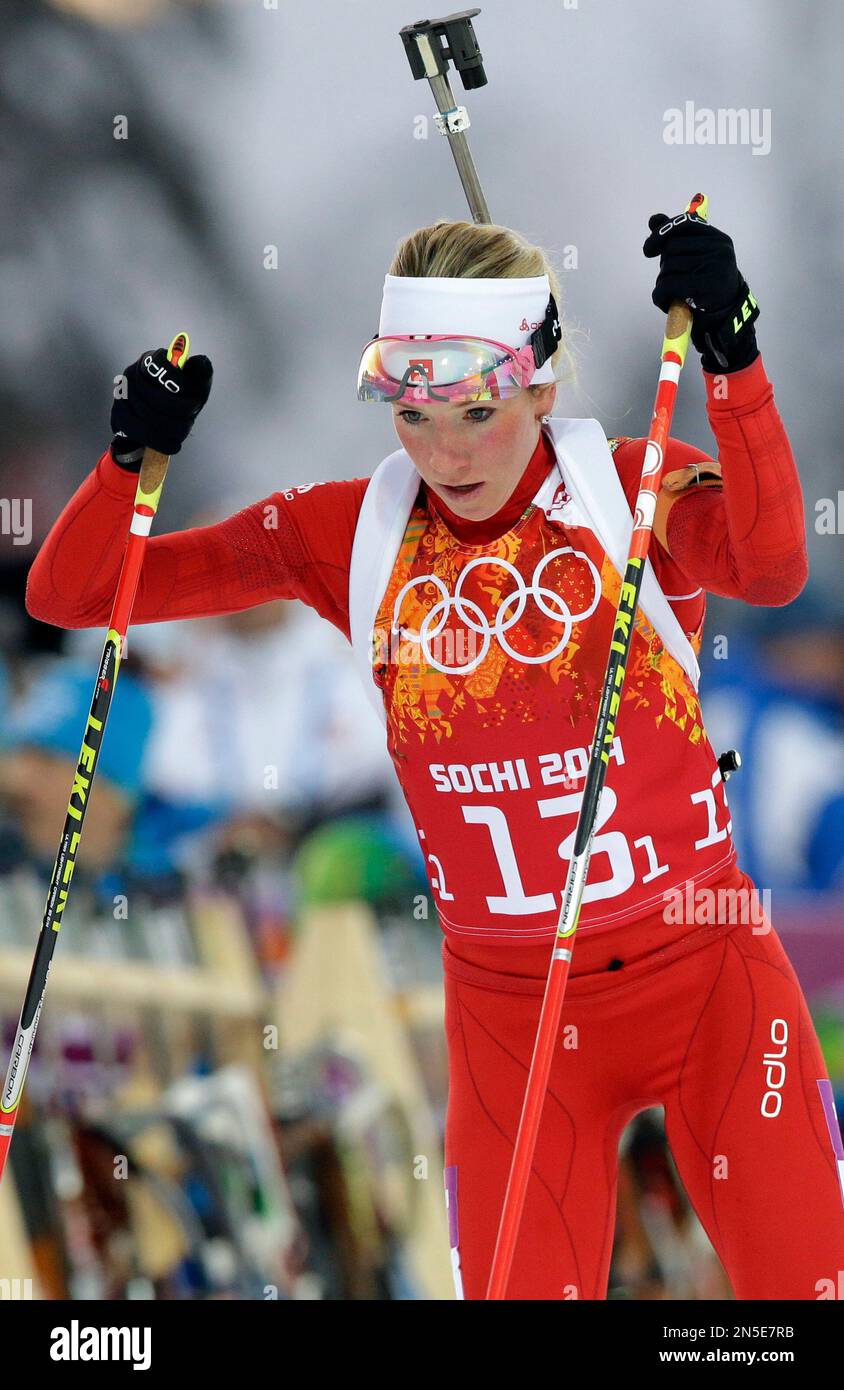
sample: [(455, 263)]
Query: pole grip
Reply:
[(154, 464), (153, 470), (679, 320)]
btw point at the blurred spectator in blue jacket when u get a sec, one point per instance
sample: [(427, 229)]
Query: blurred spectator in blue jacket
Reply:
[(778, 697), (41, 740)]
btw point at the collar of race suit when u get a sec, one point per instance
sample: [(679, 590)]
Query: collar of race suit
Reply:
[(482, 532)]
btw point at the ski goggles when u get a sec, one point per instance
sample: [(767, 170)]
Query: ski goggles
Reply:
[(439, 367), (453, 367)]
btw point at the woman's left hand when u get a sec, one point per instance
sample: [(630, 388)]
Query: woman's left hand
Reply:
[(698, 265)]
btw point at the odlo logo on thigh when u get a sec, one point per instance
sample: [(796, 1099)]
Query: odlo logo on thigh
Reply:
[(774, 1064)]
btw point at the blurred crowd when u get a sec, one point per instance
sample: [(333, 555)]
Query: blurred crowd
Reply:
[(242, 782), (230, 736)]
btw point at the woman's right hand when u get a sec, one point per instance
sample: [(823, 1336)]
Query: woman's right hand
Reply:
[(156, 404)]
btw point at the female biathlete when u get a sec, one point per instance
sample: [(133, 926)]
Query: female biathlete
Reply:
[(477, 576)]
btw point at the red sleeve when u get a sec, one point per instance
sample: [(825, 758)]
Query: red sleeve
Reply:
[(747, 539), (686, 595), (291, 544)]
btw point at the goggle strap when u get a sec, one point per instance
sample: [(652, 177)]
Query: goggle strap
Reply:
[(547, 336)]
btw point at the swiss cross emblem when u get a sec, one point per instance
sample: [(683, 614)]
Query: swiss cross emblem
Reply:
[(425, 363)]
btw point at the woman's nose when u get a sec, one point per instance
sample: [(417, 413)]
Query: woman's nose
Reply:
[(447, 461)]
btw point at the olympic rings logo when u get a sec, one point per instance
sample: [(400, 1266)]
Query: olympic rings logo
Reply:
[(437, 617)]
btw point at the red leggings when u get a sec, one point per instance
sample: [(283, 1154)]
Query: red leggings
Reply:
[(715, 1028)]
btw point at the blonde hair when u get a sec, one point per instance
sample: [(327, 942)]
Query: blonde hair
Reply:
[(483, 251)]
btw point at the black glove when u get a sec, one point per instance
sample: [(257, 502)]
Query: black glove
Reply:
[(157, 406), (698, 265)]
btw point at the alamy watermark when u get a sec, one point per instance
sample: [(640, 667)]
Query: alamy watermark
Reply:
[(459, 650), (691, 905), (829, 515), (16, 519), (728, 125), (81, 1342), (12, 1289)]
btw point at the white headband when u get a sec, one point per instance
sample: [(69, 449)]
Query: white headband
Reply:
[(506, 310)]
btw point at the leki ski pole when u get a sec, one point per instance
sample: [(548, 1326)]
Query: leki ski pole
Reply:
[(150, 482), (674, 348)]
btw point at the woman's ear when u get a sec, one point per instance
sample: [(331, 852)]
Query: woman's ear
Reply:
[(543, 399)]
